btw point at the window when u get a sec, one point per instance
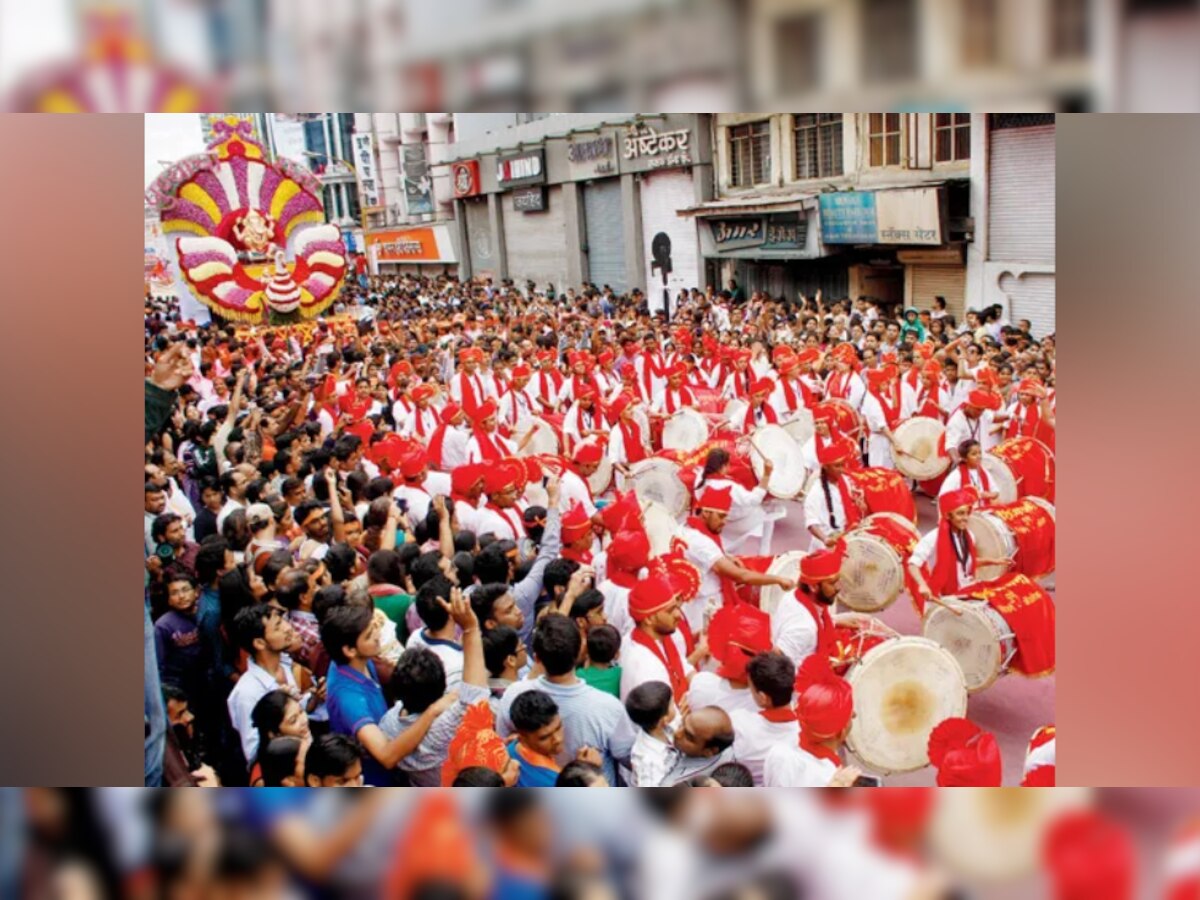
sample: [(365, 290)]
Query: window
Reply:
[(889, 39), (980, 28), (797, 50), (817, 139), (951, 136), (1069, 23), (883, 136), (750, 154)]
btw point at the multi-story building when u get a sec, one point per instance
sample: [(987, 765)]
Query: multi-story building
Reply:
[(569, 198)]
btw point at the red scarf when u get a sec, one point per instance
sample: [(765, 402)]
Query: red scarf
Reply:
[(686, 398), (944, 578), (548, 394), (751, 423), (965, 478), (583, 557), (471, 392), (890, 406), (779, 714), (728, 587), (741, 383), (839, 385), (813, 747), (826, 632), (928, 402), (1026, 421), (420, 422), (850, 507), (789, 395), (631, 433), (518, 527), (436, 442), (666, 653), (812, 393), (652, 367), (487, 449)]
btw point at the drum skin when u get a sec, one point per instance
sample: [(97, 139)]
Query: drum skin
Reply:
[(657, 479), (787, 565), (923, 438), (685, 430), (902, 689), (544, 442), (979, 639), (788, 475)]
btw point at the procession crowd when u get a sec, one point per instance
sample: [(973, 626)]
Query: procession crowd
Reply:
[(402, 544)]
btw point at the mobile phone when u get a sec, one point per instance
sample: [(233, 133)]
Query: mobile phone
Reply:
[(402, 504), (868, 781)]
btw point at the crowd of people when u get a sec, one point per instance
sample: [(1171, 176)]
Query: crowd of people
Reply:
[(357, 573)]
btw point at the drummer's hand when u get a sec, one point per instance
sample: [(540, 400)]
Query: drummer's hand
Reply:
[(788, 584), (845, 777), (552, 490), (832, 540)]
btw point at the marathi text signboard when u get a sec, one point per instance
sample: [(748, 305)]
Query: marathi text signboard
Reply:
[(778, 232), (848, 218), (531, 199), (592, 156), (364, 164), (882, 217), (645, 148)]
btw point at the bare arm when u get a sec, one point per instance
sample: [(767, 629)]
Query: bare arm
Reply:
[(389, 751), (445, 531), (730, 569), (336, 518), (315, 854)]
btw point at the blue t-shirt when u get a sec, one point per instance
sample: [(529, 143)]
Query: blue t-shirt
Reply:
[(532, 774), (355, 700)]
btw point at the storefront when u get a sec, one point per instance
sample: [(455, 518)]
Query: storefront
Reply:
[(422, 250)]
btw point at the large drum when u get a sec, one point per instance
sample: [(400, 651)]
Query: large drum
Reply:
[(735, 413), (800, 426), (685, 430), (1021, 531), (1001, 478), (849, 423), (918, 452), (544, 440), (708, 400), (657, 479), (902, 689), (885, 490), (873, 570), (771, 595), (661, 527), (979, 639), (772, 442), (1031, 463)]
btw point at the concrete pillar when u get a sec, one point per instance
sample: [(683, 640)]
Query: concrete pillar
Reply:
[(496, 224), (461, 239), (577, 263), (631, 228), (977, 250)]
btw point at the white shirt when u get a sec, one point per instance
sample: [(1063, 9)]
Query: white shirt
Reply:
[(467, 516), (818, 512), (953, 480), (754, 736), (651, 760), (710, 689), (454, 448), (703, 553), (794, 630), (879, 448), (572, 490), (616, 608), (616, 444), (506, 525), (429, 421), (230, 506), (418, 499), (254, 684), (959, 428), (450, 653), (475, 455), (925, 554), (787, 765), (639, 664)]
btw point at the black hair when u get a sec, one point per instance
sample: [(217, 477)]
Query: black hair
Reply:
[(277, 759), (483, 600), (716, 460), (305, 508), (249, 624), (419, 679), (328, 598), (290, 586), (173, 692), (531, 711), (464, 542), (432, 613), (535, 522), (267, 715), (341, 627), (464, 567), (556, 644), (773, 674), (158, 528), (478, 776), (340, 561), (290, 484), (558, 573), (579, 774), (152, 488), (647, 703), (384, 567), (331, 754), (491, 564), (378, 487), (732, 774), (603, 643), (275, 564), (499, 644), (586, 602), (425, 568)]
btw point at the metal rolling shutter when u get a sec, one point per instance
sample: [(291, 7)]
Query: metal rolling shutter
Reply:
[(663, 194), (480, 241), (940, 281), (1021, 201), (605, 234), (536, 243), (1031, 296)]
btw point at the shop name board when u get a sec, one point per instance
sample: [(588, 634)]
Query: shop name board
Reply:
[(364, 163), (591, 157), (848, 218), (522, 168), (529, 199), (769, 233), (401, 247), (465, 178), (658, 150), (882, 217)]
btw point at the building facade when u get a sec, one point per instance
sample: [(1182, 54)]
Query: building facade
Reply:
[(575, 198)]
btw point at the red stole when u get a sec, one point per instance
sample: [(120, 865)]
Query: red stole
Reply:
[(839, 385), (751, 423), (965, 478), (518, 526), (1027, 422), (890, 406), (826, 631), (651, 367), (686, 398), (741, 383), (583, 557), (779, 714), (631, 434), (789, 395), (928, 404), (943, 580), (545, 380), (472, 392), (813, 747), (419, 423), (487, 449), (667, 653), (436, 443)]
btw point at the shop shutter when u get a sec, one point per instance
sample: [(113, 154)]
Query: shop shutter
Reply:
[(663, 195), (1021, 200), (536, 243), (1031, 296), (605, 234), (480, 241), (940, 281)]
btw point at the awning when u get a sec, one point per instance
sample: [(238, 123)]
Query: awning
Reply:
[(751, 205)]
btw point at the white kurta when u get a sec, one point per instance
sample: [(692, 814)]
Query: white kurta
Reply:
[(572, 490), (857, 390), (819, 513), (959, 428), (879, 448), (466, 515), (506, 525), (747, 516), (639, 665), (925, 554), (454, 448), (789, 766), (428, 421), (703, 553), (793, 630), (418, 500), (576, 422), (754, 736), (503, 444), (710, 689), (953, 481), (616, 609), (616, 445)]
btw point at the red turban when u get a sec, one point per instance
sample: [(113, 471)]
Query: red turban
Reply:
[(932, 367), (620, 404), (952, 500), (587, 452), (449, 411), (1090, 857), (485, 410), (546, 356), (877, 378), (762, 386), (1030, 386), (965, 755), (823, 412), (575, 524), (780, 352), (719, 500), (423, 392), (677, 369), (808, 355), (623, 514), (605, 357), (834, 452), (504, 476), (822, 565), (737, 633), (987, 378), (463, 478), (629, 551), (787, 364), (413, 463), (476, 743), (650, 595), (824, 702), (845, 353), (983, 400), (586, 392), (684, 577), (521, 371)]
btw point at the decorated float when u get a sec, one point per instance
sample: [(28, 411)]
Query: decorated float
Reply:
[(250, 238)]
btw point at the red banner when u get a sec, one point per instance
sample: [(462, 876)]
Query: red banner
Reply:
[(1029, 612)]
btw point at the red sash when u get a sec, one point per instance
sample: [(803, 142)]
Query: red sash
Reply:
[(890, 407), (850, 506), (631, 434), (779, 714), (826, 631), (750, 424), (686, 398), (965, 478), (728, 586), (839, 385), (789, 395), (943, 580), (487, 449), (666, 653), (624, 579), (471, 393), (518, 527), (583, 557), (812, 747)]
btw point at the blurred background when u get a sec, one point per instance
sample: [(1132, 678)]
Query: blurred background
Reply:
[(588, 55), (695, 843)]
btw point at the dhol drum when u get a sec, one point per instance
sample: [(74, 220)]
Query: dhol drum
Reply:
[(849, 422), (800, 426), (917, 452), (535, 495), (1021, 531), (708, 400), (735, 413), (902, 689), (979, 638), (1032, 464), (885, 490), (873, 570), (544, 440), (657, 479), (997, 834), (771, 595), (1001, 477), (661, 527), (772, 442), (685, 430)]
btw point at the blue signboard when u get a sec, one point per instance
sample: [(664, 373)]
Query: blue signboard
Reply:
[(849, 218)]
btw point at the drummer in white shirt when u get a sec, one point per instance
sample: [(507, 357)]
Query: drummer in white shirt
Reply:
[(519, 403), (748, 518), (422, 421), (583, 420), (675, 395), (975, 420), (969, 472), (834, 504), (881, 410), (626, 442)]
